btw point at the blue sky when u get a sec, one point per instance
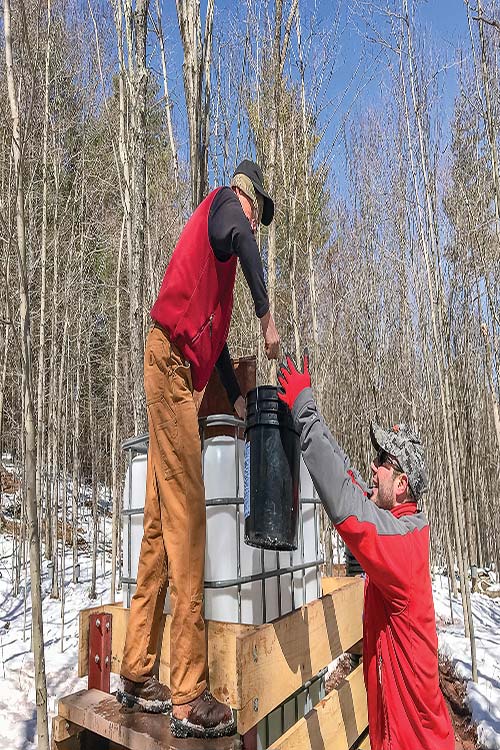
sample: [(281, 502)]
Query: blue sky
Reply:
[(444, 23)]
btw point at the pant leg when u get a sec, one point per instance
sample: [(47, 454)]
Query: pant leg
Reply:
[(175, 453), (182, 502), (146, 607)]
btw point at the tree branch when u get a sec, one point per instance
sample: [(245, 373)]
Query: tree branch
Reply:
[(489, 21)]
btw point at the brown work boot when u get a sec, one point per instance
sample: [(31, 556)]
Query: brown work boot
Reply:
[(150, 695), (203, 717)]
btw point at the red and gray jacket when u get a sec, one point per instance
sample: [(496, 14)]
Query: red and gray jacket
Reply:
[(406, 709), (195, 301)]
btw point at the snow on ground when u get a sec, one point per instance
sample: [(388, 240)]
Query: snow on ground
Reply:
[(483, 697), (17, 693), (17, 681)]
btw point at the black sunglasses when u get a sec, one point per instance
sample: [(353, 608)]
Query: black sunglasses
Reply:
[(385, 458)]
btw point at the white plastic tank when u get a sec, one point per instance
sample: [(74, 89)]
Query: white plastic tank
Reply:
[(134, 493), (228, 560), (133, 519)]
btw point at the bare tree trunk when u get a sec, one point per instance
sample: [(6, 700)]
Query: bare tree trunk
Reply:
[(161, 40), (75, 475), (489, 374), (55, 569), (279, 52), (65, 504), (114, 428), (43, 264), (136, 32), (3, 380), (196, 77), (51, 496), (28, 407), (92, 592), (75, 472), (307, 207)]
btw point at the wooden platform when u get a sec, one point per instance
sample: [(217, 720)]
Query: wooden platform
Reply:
[(256, 668), (93, 719), (101, 716)]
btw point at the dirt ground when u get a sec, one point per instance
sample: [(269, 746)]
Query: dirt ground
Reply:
[(453, 690)]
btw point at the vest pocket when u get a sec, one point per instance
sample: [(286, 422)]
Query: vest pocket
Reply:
[(202, 344), (206, 325)]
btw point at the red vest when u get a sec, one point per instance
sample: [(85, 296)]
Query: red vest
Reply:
[(196, 297)]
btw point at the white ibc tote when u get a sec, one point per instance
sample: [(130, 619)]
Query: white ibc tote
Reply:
[(242, 584)]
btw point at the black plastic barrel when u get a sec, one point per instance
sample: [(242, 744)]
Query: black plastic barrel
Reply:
[(272, 466)]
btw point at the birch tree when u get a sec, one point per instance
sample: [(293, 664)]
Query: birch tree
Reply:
[(196, 78), (25, 354)]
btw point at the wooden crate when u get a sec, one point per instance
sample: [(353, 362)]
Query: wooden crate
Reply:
[(255, 669)]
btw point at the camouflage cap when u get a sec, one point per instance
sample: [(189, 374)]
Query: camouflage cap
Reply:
[(402, 442)]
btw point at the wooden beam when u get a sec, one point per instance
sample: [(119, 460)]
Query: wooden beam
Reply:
[(329, 584), (65, 735), (276, 659), (101, 714), (62, 729), (334, 723)]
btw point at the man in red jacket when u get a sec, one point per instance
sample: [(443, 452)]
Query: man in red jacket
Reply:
[(388, 534), (191, 319)]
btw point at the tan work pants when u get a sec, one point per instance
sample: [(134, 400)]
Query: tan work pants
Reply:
[(173, 545)]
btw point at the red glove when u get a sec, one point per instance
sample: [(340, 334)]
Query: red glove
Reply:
[(292, 381)]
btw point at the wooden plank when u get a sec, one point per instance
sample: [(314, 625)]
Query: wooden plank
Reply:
[(276, 659), (62, 729), (334, 723), (65, 735), (241, 658), (101, 714), (333, 583)]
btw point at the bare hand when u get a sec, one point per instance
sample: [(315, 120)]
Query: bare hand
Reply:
[(240, 407), (271, 336)]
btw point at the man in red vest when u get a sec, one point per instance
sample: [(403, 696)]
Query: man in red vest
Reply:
[(191, 319)]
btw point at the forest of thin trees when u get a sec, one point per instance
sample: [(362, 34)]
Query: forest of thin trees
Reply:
[(117, 118)]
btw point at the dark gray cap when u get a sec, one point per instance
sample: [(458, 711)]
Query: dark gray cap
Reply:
[(254, 173), (402, 442)]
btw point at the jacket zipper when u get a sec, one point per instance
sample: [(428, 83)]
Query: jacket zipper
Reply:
[(384, 706), (204, 326)]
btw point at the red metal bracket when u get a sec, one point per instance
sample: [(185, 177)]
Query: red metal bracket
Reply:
[(100, 651)]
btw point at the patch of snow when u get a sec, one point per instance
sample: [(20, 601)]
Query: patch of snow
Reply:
[(17, 673), (484, 696)]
